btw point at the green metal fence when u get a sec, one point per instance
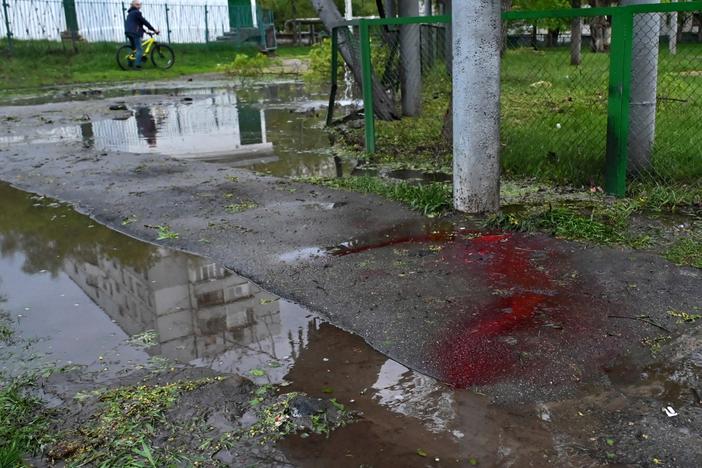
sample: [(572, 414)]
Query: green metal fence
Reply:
[(594, 113)]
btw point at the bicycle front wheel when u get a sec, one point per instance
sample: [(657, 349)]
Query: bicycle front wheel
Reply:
[(125, 58), (162, 56)]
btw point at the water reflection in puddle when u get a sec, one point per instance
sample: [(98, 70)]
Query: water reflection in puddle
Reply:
[(103, 287), (276, 128), (83, 290)]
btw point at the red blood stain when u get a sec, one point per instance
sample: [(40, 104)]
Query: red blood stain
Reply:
[(476, 351), (354, 247), (517, 316)]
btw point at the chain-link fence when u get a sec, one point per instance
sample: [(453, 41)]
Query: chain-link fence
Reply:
[(405, 59), (665, 133), (554, 113), (68, 24), (596, 96)]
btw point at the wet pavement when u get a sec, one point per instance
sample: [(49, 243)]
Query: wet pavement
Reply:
[(530, 313), (119, 305), (559, 346)]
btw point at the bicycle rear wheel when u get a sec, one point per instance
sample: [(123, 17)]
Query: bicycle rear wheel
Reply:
[(162, 56), (124, 57)]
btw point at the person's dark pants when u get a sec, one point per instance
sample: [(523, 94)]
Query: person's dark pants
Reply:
[(135, 43)]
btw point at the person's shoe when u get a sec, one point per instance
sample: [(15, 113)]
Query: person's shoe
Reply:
[(138, 68)]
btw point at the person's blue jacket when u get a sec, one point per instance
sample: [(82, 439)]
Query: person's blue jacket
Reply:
[(135, 22)]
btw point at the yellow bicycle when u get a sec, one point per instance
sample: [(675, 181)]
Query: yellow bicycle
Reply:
[(162, 56)]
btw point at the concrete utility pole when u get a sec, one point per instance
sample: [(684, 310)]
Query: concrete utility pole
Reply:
[(477, 36), (673, 32), (427, 8), (410, 60), (348, 10), (390, 10), (644, 84)]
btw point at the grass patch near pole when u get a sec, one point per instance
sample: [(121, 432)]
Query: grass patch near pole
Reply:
[(687, 251), (429, 199)]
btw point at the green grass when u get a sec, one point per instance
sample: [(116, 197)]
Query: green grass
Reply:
[(23, 424), (687, 251), (165, 232), (39, 63), (6, 331), (235, 208), (657, 197), (554, 119), (124, 424), (276, 419), (430, 199), (610, 222), (599, 226)]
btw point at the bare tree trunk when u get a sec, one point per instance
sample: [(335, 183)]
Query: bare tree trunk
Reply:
[(673, 32), (390, 8), (506, 6), (644, 82), (350, 50), (410, 61), (576, 36), (534, 37), (598, 34), (476, 103), (599, 29)]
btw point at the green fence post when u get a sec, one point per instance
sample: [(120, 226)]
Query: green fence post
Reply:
[(69, 11), (261, 30), (207, 27), (334, 74), (5, 6), (168, 24), (367, 82), (618, 105)]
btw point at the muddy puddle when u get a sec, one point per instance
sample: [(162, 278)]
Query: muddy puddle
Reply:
[(96, 298), (90, 298), (274, 128)]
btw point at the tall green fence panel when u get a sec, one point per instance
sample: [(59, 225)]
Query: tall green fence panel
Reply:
[(613, 105)]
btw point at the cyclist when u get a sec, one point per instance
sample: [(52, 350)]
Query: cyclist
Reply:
[(134, 30)]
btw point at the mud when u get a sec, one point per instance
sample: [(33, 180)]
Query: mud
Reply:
[(529, 324)]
